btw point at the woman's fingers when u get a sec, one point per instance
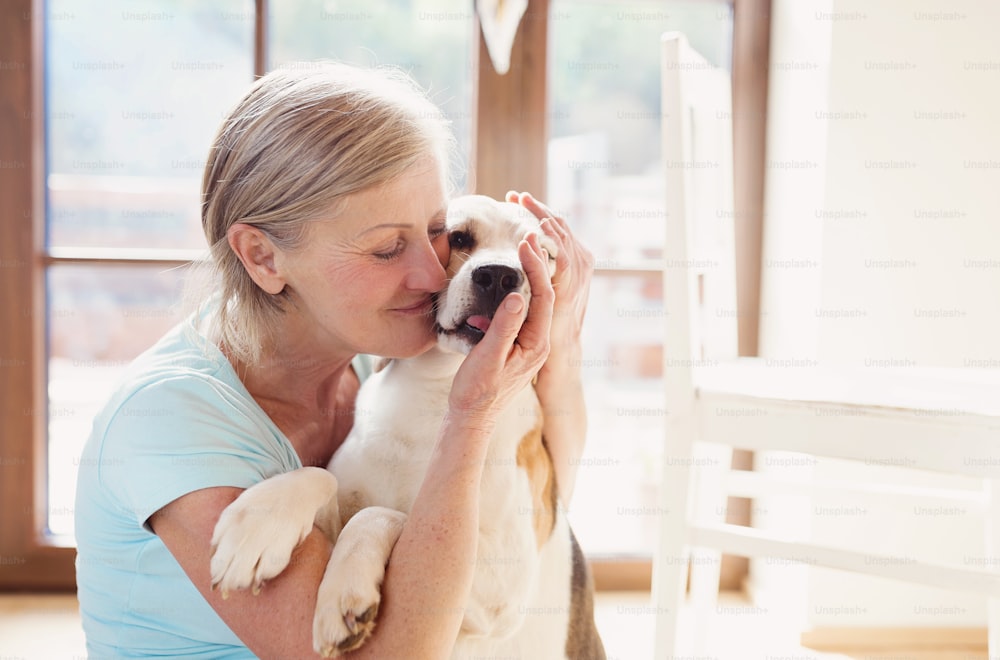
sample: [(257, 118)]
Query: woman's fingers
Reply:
[(528, 201), (564, 249), (534, 335), (555, 227), (574, 262), (496, 344), (484, 375)]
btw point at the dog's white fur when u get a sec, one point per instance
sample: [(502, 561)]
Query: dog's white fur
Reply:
[(520, 605)]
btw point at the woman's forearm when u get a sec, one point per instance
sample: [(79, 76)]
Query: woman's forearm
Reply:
[(560, 392)]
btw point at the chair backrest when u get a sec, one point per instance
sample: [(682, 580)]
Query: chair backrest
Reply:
[(699, 270)]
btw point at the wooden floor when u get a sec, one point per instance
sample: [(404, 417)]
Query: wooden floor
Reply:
[(40, 627), (739, 631)]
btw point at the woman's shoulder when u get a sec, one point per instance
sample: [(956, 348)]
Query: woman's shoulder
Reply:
[(184, 348), (181, 420), (183, 381), (182, 358)]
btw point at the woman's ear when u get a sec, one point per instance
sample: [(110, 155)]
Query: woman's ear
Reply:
[(256, 251)]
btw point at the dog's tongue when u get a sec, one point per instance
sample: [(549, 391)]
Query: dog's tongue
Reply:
[(479, 322)]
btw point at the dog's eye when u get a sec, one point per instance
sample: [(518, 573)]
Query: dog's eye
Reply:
[(460, 240)]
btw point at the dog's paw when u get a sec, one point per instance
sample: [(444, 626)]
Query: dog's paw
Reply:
[(253, 544), (346, 606), (256, 534)]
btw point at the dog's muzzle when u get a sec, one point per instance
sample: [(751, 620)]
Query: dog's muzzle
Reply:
[(491, 283)]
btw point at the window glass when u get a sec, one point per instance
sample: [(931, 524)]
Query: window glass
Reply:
[(431, 40), (605, 175), (604, 119), (100, 318), (134, 93), (614, 504)]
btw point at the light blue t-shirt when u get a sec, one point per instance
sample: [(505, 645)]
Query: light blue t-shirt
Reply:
[(179, 421)]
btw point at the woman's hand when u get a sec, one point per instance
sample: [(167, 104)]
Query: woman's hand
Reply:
[(571, 282), (513, 350), (559, 386)]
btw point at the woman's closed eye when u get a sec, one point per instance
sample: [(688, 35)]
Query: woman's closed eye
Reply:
[(392, 252)]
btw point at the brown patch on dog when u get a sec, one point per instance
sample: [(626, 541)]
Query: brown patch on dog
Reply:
[(534, 458), (583, 642), (349, 505), (455, 263)]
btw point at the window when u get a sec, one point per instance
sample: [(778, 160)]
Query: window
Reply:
[(131, 109), (605, 175), (123, 99)]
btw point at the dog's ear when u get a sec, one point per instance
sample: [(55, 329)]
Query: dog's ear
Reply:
[(380, 364)]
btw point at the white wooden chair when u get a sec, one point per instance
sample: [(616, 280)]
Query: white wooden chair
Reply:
[(866, 415)]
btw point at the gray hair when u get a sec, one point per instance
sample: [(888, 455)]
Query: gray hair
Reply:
[(301, 140)]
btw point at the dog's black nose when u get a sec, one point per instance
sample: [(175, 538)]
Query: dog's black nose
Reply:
[(496, 281)]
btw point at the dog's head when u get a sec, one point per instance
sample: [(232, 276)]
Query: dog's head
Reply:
[(483, 267)]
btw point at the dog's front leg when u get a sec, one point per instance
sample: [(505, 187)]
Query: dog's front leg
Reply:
[(256, 534), (350, 592)]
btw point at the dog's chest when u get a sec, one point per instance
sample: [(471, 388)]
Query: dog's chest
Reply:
[(383, 463)]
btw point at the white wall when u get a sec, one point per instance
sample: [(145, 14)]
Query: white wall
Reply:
[(883, 223), (918, 249), (882, 247)]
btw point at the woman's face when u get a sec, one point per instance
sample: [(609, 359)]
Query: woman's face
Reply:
[(363, 280)]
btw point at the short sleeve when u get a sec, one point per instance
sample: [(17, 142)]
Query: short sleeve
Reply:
[(183, 434)]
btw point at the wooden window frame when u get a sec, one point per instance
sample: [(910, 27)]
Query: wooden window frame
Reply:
[(509, 152), (27, 558)]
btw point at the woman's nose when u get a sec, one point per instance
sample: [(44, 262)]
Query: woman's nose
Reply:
[(429, 272)]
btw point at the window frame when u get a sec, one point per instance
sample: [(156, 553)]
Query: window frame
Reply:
[(31, 559), (27, 558)]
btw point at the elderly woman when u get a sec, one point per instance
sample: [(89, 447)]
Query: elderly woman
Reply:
[(324, 206)]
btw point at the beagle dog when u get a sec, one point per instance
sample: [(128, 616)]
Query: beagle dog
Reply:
[(532, 593)]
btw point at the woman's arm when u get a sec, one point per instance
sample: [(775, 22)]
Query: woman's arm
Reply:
[(278, 621), (559, 385), (560, 392), (426, 584), (430, 573)]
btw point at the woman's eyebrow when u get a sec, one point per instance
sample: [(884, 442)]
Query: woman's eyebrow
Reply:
[(439, 215), (387, 225)]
